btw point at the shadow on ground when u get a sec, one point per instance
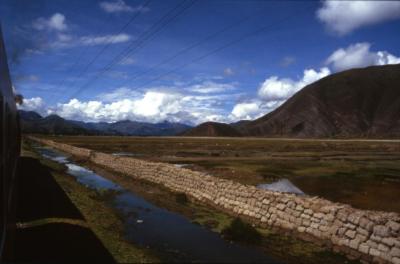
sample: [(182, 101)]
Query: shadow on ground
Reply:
[(41, 197)]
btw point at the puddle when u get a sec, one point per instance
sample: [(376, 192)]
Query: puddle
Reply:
[(283, 185), (169, 233), (183, 165)]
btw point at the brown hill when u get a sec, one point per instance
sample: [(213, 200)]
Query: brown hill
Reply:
[(213, 129), (354, 103)]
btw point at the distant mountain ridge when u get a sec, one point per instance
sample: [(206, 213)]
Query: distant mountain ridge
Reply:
[(32, 122), (355, 103), (359, 103), (213, 129)]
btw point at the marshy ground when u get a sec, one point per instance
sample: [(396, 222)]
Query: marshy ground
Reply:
[(106, 223), (363, 173)]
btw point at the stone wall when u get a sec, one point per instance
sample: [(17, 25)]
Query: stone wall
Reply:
[(370, 236)]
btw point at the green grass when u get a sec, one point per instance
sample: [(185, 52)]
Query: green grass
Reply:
[(283, 247), (364, 174), (241, 231), (52, 220), (181, 198)]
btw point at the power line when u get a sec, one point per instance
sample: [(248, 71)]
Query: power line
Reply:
[(110, 41), (146, 36), (80, 55), (231, 43), (131, 49), (189, 48)]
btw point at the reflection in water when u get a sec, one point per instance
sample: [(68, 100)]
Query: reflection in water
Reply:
[(283, 185), (91, 179), (181, 165), (169, 233)]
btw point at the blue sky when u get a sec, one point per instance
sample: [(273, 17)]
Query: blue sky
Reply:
[(207, 60)]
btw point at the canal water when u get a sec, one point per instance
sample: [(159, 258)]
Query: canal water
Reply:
[(171, 234)]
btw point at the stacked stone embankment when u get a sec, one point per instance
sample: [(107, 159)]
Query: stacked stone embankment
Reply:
[(370, 236)]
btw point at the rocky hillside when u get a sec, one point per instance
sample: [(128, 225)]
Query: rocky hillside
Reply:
[(355, 103), (32, 122), (213, 129)]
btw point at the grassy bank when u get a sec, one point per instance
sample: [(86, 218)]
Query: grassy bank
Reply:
[(283, 247), (98, 216)]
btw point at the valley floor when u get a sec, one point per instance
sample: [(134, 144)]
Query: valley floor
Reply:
[(105, 224), (361, 172)]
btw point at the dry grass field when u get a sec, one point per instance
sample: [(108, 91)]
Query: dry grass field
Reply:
[(363, 173)]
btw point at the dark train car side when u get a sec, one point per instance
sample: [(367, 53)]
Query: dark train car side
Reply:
[(9, 154)]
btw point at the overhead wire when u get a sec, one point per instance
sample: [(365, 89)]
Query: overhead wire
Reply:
[(109, 41), (157, 27), (230, 43), (189, 48)]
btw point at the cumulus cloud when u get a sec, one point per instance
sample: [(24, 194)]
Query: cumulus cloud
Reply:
[(54, 23), (156, 105), (359, 55), (120, 6), (272, 93), (153, 106), (246, 110), (342, 17), (277, 89), (253, 109), (34, 104)]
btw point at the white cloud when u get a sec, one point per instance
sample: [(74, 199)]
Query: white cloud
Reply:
[(34, 104), (211, 87), (253, 109), (120, 6), (156, 105), (54, 23), (106, 39), (67, 41), (342, 17), (359, 55), (151, 107), (246, 110), (272, 93), (276, 89)]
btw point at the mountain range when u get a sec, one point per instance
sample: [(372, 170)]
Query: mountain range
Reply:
[(213, 129), (361, 102), (33, 123)]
